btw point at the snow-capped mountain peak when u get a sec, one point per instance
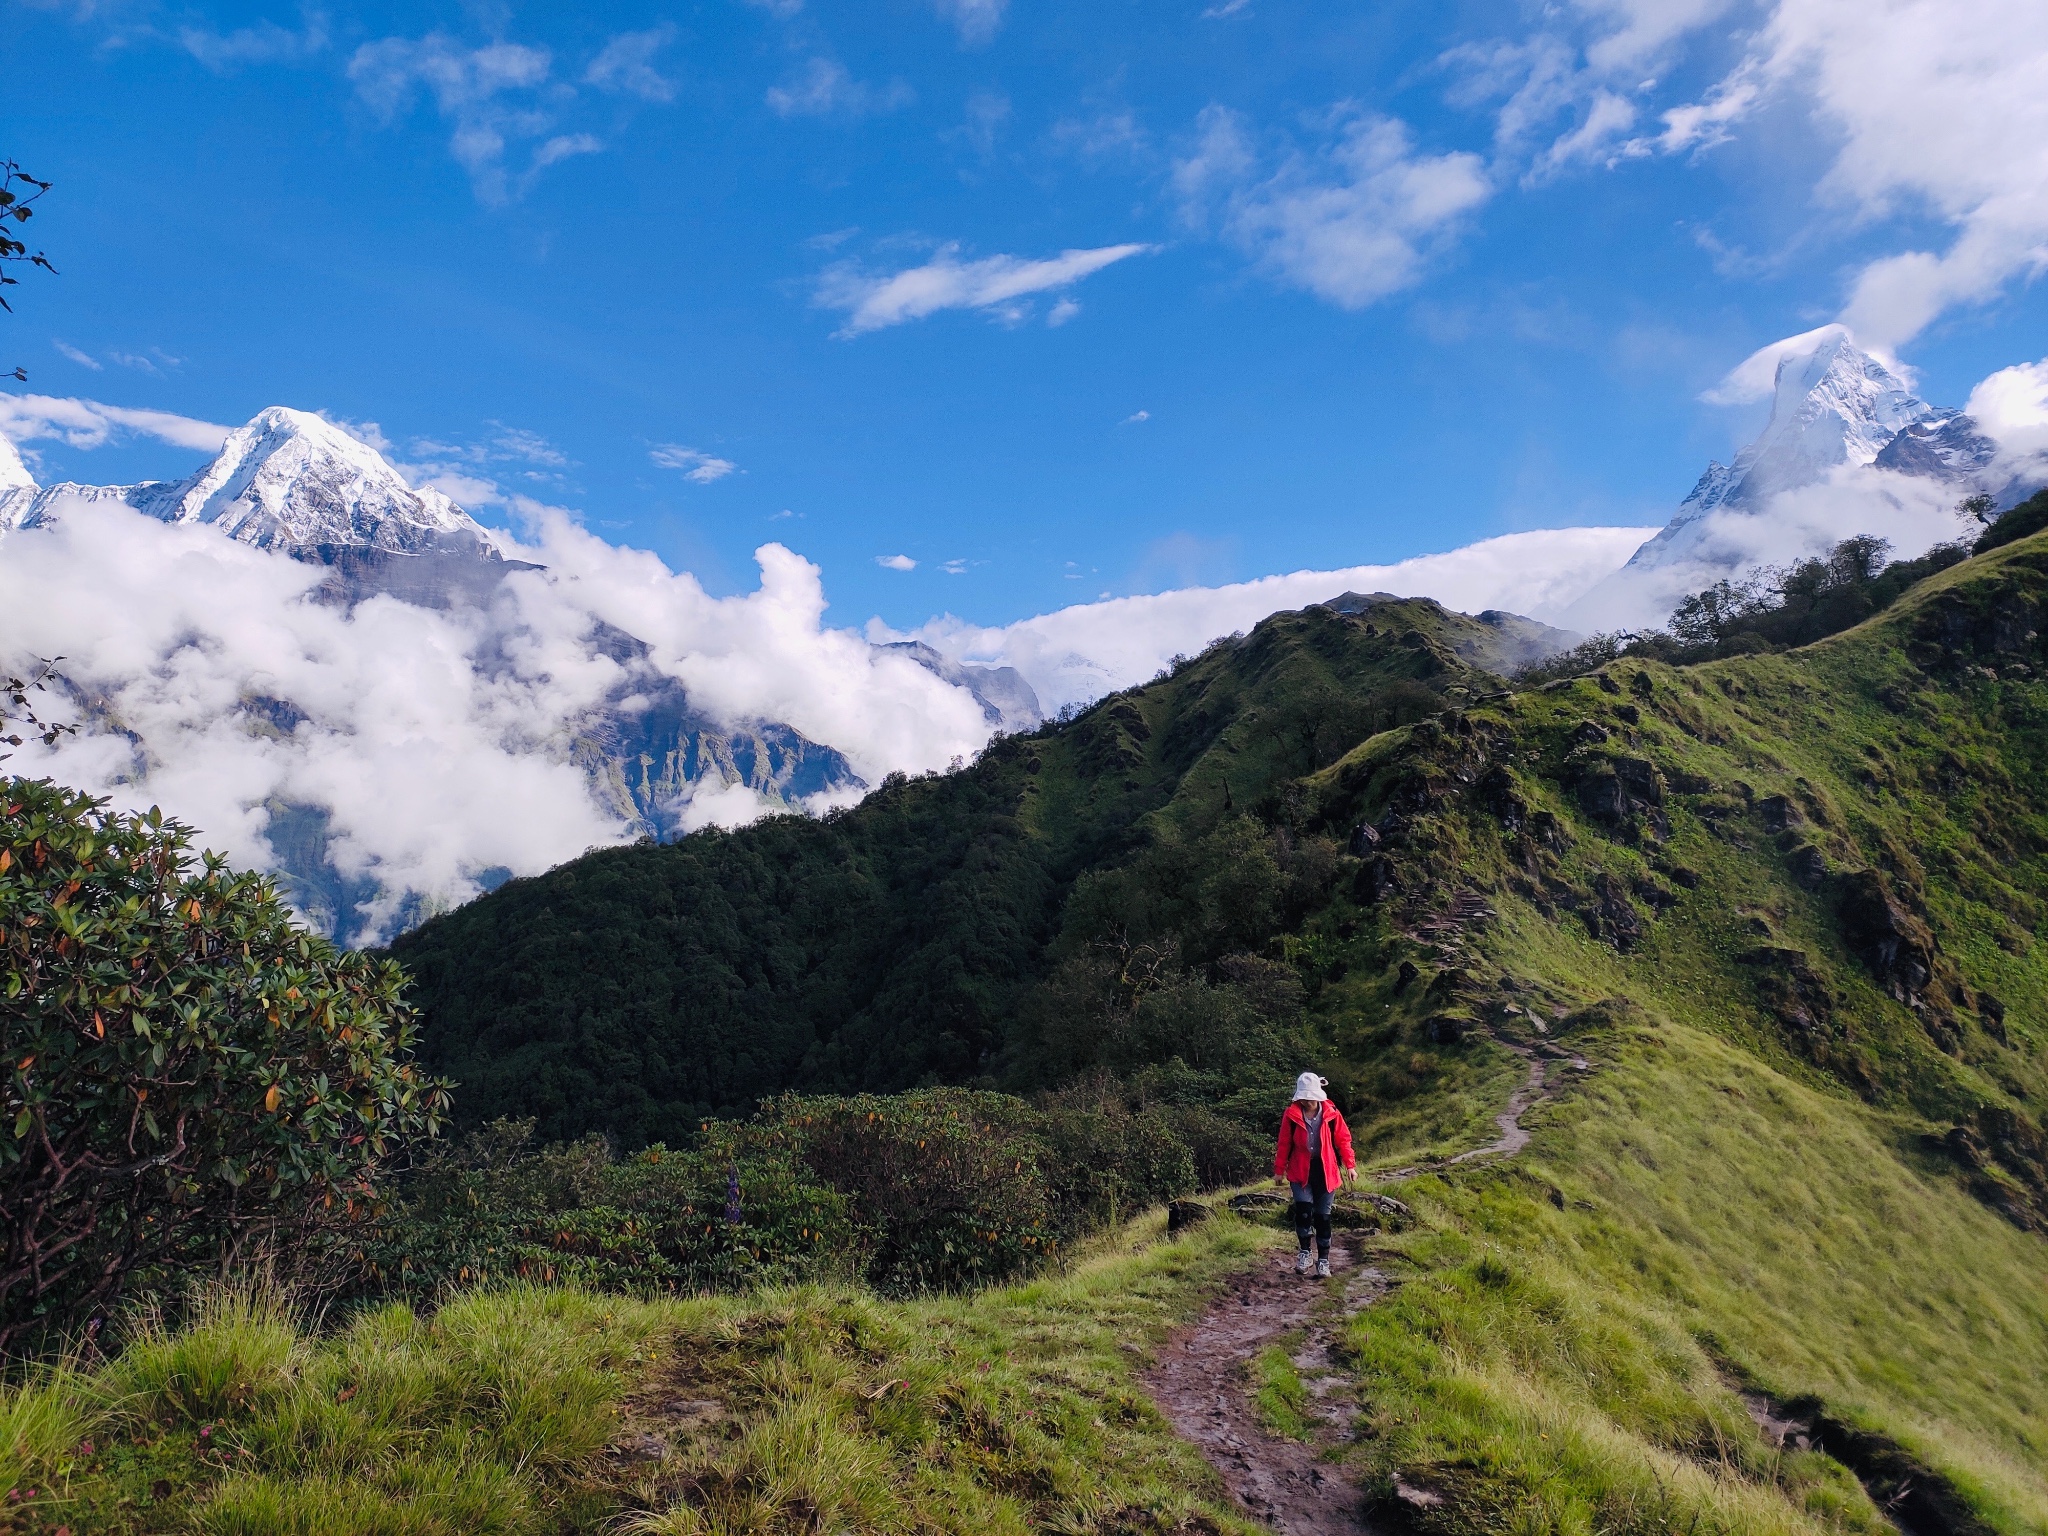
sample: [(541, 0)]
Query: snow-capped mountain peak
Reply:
[(1832, 403), (294, 482), (17, 486)]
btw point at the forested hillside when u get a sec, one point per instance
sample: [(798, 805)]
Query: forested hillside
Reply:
[(636, 990)]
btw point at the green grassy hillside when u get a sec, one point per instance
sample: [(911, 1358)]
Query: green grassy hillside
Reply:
[(635, 991), (1786, 907), (525, 1411)]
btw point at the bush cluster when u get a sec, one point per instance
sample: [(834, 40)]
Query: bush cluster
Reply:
[(188, 1080), (933, 1190), (1770, 609)]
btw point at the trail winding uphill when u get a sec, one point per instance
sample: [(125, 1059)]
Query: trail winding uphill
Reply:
[(1202, 1380)]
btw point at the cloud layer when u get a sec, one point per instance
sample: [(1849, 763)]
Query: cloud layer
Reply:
[(1078, 654), (436, 742)]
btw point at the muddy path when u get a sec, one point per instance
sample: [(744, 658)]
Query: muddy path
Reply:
[(1203, 1382)]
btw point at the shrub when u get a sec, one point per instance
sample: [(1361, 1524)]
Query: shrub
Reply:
[(493, 1208), (935, 1190), (950, 1186), (1224, 1151), (1109, 1160), (188, 1077)]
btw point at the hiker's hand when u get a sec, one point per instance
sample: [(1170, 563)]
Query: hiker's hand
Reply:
[(1278, 1181)]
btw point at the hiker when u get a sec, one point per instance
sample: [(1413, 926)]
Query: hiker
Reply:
[(1313, 1122)]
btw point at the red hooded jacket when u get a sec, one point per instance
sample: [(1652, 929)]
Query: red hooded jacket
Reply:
[(1290, 1157)]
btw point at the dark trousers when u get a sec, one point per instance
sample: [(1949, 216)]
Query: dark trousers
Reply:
[(1312, 1214)]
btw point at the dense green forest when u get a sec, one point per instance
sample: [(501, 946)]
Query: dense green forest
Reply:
[(976, 926)]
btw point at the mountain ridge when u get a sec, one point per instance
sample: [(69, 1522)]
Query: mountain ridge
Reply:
[(1780, 912)]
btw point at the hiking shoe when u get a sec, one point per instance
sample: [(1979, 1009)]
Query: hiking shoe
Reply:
[(1301, 1262), (1322, 1268)]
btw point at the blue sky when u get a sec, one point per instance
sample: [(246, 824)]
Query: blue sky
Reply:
[(1407, 275)]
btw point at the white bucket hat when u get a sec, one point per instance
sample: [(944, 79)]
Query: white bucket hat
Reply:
[(1309, 1086)]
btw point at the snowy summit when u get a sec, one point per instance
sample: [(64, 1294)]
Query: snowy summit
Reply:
[(289, 481)]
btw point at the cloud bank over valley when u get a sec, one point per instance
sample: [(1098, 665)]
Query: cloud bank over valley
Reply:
[(334, 673)]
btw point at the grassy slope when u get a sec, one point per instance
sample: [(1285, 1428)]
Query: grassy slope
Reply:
[(1762, 1181), (813, 1409)]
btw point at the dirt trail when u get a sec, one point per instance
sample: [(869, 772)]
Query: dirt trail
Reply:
[(1513, 1137), (1202, 1379), (1202, 1385)]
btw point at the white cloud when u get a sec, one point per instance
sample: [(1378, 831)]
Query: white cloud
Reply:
[(83, 359), (1080, 653), (727, 806), (1351, 222), (477, 90), (1600, 138), (896, 562), (1136, 417), (2011, 407), (368, 433), (521, 446), (1227, 8), (987, 112), (698, 467), (1756, 376), (1936, 113), (436, 741), (1108, 134), (90, 424), (564, 146), (1062, 312), (1932, 113), (993, 283), (462, 471), (1710, 121), (1637, 31), (977, 20), (264, 43), (626, 65), (825, 89)]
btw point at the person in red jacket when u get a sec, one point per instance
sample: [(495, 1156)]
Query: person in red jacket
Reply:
[(1314, 1157)]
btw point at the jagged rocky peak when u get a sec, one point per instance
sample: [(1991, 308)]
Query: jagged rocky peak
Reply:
[(1007, 701), (294, 482), (1832, 404)]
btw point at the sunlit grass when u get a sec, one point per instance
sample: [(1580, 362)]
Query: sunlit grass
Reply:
[(817, 1409)]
